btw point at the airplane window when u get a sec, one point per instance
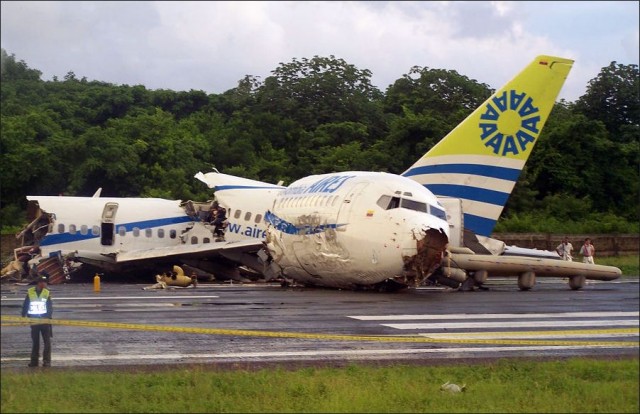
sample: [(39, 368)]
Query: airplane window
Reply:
[(258, 218), (84, 230), (172, 234), (206, 240), (247, 216), (60, 228), (148, 232), (383, 201), (72, 229), (388, 202), (237, 214), (194, 240), (408, 194), (122, 231), (161, 233), (95, 230), (413, 205), (438, 212), (136, 232)]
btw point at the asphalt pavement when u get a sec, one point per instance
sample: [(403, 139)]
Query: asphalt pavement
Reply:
[(124, 325)]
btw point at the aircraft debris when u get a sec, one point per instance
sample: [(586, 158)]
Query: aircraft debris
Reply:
[(175, 278), (453, 388)]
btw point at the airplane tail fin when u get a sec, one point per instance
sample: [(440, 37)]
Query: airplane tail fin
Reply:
[(480, 160)]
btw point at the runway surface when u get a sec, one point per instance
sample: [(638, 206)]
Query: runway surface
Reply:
[(124, 325)]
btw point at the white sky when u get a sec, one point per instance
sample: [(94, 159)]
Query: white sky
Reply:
[(210, 46)]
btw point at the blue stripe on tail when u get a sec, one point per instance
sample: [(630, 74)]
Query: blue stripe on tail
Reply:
[(510, 174), (469, 193)]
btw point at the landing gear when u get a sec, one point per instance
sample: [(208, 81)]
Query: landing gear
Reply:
[(577, 282), (526, 280)]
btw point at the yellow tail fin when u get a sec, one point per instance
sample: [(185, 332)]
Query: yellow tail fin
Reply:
[(480, 160)]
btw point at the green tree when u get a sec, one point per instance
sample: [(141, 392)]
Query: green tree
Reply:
[(613, 98), (320, 90)]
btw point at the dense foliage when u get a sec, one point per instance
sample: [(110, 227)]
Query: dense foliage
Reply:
[(315, 115)]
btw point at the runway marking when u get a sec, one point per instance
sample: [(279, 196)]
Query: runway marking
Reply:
[(284, 354), (468, 316), (302, 335), (581, 333), (510, 324), (118, 297)]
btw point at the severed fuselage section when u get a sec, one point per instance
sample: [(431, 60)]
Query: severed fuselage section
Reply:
[(66, 233)]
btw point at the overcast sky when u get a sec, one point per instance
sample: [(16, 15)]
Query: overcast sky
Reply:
[(210, 46)]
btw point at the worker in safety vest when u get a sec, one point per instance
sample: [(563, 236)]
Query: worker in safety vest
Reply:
[(37, 304)]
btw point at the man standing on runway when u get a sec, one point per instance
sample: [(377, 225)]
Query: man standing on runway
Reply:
[(38, 304)]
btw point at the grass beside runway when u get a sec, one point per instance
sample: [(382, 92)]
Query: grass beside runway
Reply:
[(630, 265), (574, 385)]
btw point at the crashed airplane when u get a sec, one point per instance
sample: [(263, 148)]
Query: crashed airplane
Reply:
[(343, 230)]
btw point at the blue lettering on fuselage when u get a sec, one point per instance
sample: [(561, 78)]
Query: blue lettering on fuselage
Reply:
[(248, 231), (290, 228), (326, 185)]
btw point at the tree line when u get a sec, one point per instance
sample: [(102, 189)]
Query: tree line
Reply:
[(310, 116)]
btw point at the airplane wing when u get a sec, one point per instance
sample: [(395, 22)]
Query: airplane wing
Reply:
[(514, 265), (192, 251)]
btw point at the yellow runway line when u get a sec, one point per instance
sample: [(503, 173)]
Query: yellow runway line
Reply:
[(302, 335)]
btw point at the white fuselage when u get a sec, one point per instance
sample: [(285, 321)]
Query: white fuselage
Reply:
[(95, 230), (353, 229), (339, 230)]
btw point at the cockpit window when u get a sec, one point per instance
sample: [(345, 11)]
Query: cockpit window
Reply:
[(388, 202), (438, 212), (413, 205)]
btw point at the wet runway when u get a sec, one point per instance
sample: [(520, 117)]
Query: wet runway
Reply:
[(216, 323)]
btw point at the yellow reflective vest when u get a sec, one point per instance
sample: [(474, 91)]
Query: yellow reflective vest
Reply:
[(37, 304)]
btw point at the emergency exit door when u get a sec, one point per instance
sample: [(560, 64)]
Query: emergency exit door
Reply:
[(108, 226)]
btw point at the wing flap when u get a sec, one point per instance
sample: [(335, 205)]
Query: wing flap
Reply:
[(189, 250)]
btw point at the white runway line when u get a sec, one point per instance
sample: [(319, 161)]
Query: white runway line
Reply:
[(509, 324), (525, 335), (467, 316)]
